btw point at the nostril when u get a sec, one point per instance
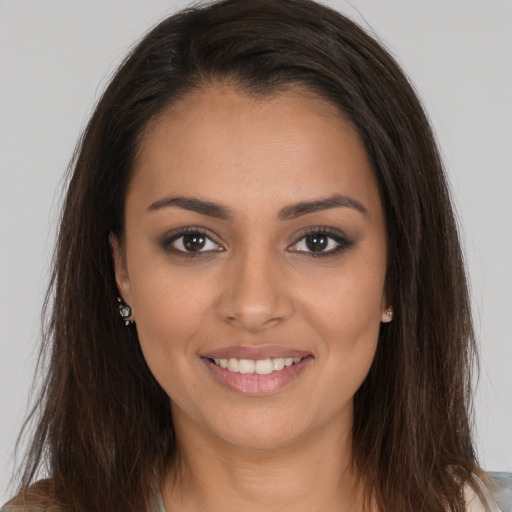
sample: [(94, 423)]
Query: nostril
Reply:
[(254, 299)]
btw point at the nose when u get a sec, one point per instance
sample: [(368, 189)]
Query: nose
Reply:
[(254, 292)]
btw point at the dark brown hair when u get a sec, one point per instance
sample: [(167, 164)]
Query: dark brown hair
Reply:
[(102, 423)]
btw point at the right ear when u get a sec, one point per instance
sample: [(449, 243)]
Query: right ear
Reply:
[(120, 270)]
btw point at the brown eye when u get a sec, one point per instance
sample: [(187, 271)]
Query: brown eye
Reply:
[(317, 242), (321, 242), (190, 241), (194, 242)]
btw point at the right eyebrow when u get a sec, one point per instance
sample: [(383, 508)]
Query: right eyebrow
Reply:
[(304, 208), (195, 205)]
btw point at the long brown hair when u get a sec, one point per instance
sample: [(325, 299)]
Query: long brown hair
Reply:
[(103, 424)]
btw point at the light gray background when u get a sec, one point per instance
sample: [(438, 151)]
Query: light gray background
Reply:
[(55, 59)]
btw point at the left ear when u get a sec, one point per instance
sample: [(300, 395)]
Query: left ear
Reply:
[(386, 310)]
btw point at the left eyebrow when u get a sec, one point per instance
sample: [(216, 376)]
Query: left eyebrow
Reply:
[(304, 208), (195, 205)]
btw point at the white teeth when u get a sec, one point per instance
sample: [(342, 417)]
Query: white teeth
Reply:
[(263, 366), (233, 365), (278, 364), (246, 366), (260, 366)]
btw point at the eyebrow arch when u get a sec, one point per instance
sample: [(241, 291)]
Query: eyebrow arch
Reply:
[(287, 213), (297, 210), (194, 205)]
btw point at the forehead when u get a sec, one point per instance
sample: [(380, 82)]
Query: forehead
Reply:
[(223, 143)]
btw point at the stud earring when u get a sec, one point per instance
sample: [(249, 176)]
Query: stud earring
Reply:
[(125, 311), (387, 315)]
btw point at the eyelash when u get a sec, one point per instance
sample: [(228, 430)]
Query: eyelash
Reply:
[(166, 242), (343, 243)]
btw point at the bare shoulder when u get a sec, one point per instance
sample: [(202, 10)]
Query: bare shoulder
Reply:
[(39, 497)]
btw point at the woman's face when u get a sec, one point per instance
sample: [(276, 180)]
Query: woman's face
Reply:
[(255, 239)]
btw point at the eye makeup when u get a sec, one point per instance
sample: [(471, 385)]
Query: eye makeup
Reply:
[(196, 241), (321, 242), (190, 241)]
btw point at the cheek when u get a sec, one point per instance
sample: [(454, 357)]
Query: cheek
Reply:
[(345, 312), (167, 330), (170, 309), (349, 341), (347, 303)]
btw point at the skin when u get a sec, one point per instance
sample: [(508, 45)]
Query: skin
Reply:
[(257, 283)]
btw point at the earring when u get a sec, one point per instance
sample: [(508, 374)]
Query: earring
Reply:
[(125, 311), (388, 315)]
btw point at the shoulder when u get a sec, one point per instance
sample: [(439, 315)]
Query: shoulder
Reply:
[(39, 497), (495, 494), (500, 486)]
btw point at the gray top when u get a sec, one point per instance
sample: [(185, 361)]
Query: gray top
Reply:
[(499, 492), (158, 505), (501, 489)]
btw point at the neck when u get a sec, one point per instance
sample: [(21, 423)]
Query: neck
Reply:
[(313, 474)]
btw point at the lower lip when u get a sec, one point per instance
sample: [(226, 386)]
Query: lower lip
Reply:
[(254, 384)]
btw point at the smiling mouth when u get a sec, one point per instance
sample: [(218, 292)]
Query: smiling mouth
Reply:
[(258, 366)]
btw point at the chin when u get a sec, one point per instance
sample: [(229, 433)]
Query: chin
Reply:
[(256, 433)]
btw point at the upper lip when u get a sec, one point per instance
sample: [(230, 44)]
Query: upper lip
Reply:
[(255, 353)]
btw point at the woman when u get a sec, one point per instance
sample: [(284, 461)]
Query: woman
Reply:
[(259, 296)]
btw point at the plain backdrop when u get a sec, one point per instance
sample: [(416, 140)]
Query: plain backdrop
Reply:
[(55, 59)]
